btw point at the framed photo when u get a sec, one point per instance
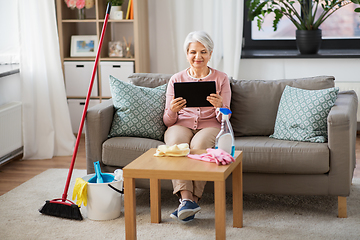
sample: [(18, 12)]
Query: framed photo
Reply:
[(83, 45), (116, 49)]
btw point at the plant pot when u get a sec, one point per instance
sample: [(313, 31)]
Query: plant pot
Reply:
[(308, 41), (116, 13)]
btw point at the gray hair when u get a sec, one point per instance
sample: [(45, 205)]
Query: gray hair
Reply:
[(201, 37)]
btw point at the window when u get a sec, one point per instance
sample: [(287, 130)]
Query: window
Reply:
[(340, 31)]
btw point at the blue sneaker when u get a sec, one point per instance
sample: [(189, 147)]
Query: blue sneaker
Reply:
[(187, 208), (174, 215)]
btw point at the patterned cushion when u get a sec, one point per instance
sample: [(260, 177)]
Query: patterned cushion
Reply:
[(138, 110), (302, 114)]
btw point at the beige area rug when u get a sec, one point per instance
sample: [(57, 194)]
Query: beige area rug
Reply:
[(265, 216)]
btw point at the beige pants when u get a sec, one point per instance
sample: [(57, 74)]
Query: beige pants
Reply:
[(197, 139)]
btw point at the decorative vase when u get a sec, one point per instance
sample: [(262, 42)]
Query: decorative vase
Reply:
[(308, 41), (116, 13), (81, 13)]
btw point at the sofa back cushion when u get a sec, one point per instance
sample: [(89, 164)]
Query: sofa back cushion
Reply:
[(150, 80), (254, 103)]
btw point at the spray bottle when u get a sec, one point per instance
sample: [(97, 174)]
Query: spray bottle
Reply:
[(225, 139)]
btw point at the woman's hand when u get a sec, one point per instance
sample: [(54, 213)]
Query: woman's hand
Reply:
[(215, 100), (177, 104)]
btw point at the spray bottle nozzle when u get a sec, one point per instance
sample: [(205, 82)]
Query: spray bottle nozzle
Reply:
[(225, 111)]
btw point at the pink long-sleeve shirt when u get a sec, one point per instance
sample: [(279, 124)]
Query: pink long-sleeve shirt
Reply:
[(197, 117)]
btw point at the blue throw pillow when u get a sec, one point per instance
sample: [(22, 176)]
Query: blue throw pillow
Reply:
[(302, 114), (138, 110)]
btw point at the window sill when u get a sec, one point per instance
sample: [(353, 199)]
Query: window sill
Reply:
[(323, 53)]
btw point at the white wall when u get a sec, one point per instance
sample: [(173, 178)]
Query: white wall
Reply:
[(9, 40), (10, 88)]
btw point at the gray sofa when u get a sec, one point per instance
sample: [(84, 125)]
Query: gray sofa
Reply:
[(270, 166)]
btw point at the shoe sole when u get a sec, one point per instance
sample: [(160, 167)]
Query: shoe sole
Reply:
[(179, 220), (187, 213)]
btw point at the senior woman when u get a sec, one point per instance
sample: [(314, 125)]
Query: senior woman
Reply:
[(197, 126)]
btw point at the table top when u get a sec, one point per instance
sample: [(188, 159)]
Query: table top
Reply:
[(149, 166)]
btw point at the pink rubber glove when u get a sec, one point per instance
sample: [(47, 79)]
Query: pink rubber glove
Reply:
[(218, 156)]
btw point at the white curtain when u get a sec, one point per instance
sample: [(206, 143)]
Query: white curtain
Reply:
[(46, 121), (170, 22)]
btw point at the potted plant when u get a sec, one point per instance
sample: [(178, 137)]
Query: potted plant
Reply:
[(116, 12), (307, 20)]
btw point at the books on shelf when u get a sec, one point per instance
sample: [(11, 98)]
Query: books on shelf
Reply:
[(130, 10)]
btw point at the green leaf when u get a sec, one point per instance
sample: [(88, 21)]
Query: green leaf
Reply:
[(256, 10), (278, 16), (259, 23), (357, 10)]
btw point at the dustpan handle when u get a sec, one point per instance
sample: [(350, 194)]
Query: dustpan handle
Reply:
[(64, 196)]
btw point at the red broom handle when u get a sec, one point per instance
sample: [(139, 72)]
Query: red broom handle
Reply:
[(64, 196)]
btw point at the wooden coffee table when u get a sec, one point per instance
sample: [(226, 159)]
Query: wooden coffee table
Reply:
[(157, 168)]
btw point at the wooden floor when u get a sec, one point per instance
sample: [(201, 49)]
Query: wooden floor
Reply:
[(19, 171)]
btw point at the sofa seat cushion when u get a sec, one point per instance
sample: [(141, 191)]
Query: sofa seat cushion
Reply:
[(120, 151), (262, 154)]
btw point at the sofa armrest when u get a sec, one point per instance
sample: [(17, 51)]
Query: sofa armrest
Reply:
[(97, 126), (342, 127)]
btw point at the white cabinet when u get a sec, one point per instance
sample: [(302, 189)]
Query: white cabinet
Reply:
[(76, 108), (77, 78), (119, 70)]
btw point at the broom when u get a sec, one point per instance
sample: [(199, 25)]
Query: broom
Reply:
[(62, 207)]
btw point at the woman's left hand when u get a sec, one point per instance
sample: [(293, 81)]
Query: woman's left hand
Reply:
[(215, 100)]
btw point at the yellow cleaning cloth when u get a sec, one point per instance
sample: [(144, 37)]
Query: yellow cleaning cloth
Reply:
[(177, 150), (80, 191)]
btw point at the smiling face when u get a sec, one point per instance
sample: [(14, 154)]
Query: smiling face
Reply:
[(197, 55)]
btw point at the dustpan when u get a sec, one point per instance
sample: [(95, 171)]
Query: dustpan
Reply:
[(100, 177)]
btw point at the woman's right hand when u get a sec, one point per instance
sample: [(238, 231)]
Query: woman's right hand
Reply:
[(177, 104)]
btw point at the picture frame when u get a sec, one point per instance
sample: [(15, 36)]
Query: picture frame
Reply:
[(83, 45)]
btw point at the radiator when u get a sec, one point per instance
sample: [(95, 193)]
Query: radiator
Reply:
[(10, 129)]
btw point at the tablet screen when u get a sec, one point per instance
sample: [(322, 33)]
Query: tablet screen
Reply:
[(195, 93)]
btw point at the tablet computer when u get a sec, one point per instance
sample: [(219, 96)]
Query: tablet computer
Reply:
[(195, 93)]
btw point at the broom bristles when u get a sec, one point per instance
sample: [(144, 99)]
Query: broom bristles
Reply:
[(59, 209)]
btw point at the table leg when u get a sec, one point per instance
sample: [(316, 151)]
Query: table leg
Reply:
[(155, 200), (130, 208), (237, 186), (220, 209)]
